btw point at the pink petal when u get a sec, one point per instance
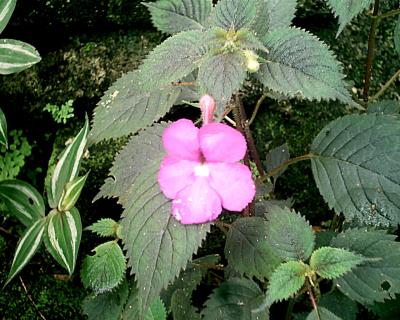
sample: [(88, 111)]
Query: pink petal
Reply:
[(233, 183), (197, 203), (221, 143), (180, 139), (175, 174)]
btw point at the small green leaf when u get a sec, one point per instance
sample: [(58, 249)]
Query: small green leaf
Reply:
[(235, 14), (339, 304), (397, 36), (67, 168), (289, 234), (331, 263), (6, 10), (63, 236), (104, 227), (3, 129), (181, 307), (105, 270), (26, 248), (16, 56), (173, 16), (389, 107), (23, 201), (71, 193), (276, 157), (323, 314), (156, 311)]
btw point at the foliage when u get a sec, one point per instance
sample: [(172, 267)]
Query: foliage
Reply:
[(62, 113)]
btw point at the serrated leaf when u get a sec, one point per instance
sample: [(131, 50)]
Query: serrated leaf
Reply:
[(63, 236), (105, 270), (247, 250), (289, 234), (339, 304), (235, 14), (105, 227), (356, 167), (3, 129), (23, 201), (300, 65), (323, 314), (181, 307), (389, 107), (388, 310), (67, 168), (397, 36), (235, 299), (26, 248), (156, 311), (173, 16), (373, 280), (6, 10), (346, 10), (331, 263), (16, 56), (72, 191), (276, 157)]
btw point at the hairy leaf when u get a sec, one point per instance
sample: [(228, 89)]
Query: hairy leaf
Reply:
[(300, 65), (356, 167), (397, 36), (323, 314), (23, 201), (235, 299), (173, 16), (247, 250), (373, 280), (389, 107), (289, 234), (156, 311), (235, 14), (105, 227), (6, 10), (16, 56), (339, 304), (181, 307), (3, 129)]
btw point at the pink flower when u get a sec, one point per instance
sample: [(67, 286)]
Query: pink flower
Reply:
[(201, 172)]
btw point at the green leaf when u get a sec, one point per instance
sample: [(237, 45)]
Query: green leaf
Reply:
[(16, 56), (356, 167), (63, 236), (397, 36), (276, 157), (6, 10), (300, 65), (26, 248), (346, 10), (23, 201), (181, 307), (105, 227), (156, 311), (3, 129), (247, 250), (331, 263), (235, 299), (374, 280), (67, 168), (105, 270), (72, 191), (339, 304), (389, 107), (388, 310), (173, 16), (323, 314), (289, 234), (235, 14)]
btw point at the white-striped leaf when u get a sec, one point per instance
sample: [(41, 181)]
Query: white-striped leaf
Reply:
[(63, 236), (23, 201), (16, 56), (71, 193), (6, 10), (67, 167), (3, 129), (26, 248)]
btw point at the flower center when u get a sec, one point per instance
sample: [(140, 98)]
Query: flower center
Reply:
[(201, 170)]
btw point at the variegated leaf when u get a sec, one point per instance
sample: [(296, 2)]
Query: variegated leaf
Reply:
[(6, 10), (3, 129), (71, 193), (16, 56)]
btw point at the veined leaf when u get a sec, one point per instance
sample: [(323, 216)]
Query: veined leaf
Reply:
[(339, 304), (235, 14), (389, 107), (3, 129), (67, 168), (63, 236), (104, 227), (181, 307), (105, 270), (346, 10), (300, 65), (397, 36), (16, 56), (72, 191), (247, 249), (173, 16), (23, 201), (6, 10), (26, 248), (323, 314), (156, 311), (356, 167)]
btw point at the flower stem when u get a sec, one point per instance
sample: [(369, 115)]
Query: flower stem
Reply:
[(386, 85)]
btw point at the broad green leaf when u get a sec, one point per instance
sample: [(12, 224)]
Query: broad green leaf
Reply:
[(346, 10), (63, 236), (276, 157), (72, 191), (289, 234), (3, 129), (16, 56), (247, 249), (323, 314), (235, 14), (388, 310), (235, 299), (23, 201), (331, 263), (356, 167), (125, 108), (67, 168), (6, 10), (300, 65), (181, 307), (105, 270), (397, 36), (389, 107), (156, 311), (339, 304), (173, 16), (373, 280), (26, 248), (105, 227)]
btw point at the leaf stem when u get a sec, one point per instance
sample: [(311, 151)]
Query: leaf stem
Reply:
[(387, 14), (312, 298), (257, 107), (386, 85)]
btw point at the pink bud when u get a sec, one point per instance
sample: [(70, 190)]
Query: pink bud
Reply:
[(207, 106)]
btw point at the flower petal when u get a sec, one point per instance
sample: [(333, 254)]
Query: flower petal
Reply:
[(175, 174), (221, 143), (233, 183), (197, 203), (180, 139)]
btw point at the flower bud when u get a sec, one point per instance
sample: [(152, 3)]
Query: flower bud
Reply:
[(207, 106), (252, 63)]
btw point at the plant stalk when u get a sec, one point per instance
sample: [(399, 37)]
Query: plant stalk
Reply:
[(312, 299), (386, 85)]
